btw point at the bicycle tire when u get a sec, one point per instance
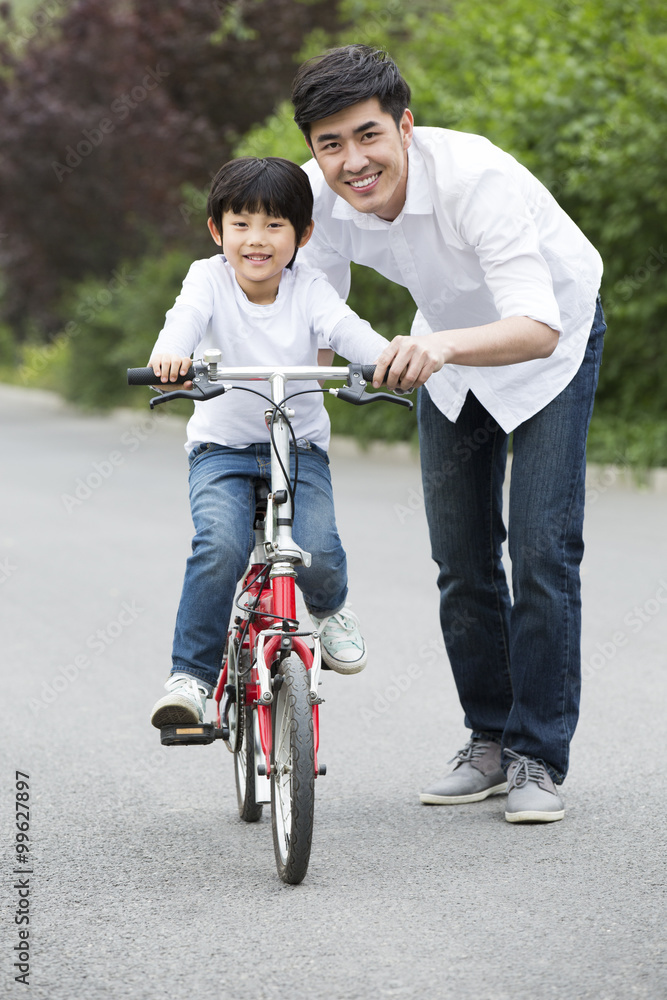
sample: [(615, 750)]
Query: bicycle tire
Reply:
[(292, 772), (245, 770), (235, 715)]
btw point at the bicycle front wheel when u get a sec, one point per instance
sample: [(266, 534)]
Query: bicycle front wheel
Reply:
[(293, 772)]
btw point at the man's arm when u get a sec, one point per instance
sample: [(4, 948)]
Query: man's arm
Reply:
[(411, 360)]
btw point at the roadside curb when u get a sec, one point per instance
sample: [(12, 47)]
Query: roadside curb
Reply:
[(599, 478)]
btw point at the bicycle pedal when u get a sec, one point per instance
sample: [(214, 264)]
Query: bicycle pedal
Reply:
[(188, 735)]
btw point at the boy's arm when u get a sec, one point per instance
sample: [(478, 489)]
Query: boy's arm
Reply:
[(339, 328), (355, 339), (325, 357), (184, 327)]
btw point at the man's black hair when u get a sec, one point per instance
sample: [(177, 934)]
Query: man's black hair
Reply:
[(269, 184), (342, 77)]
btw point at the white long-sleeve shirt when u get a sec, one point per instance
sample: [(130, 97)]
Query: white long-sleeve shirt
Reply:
[(213, 311), (479, 239)]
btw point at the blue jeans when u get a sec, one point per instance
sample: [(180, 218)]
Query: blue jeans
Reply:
[(222, 500), (516, 660)]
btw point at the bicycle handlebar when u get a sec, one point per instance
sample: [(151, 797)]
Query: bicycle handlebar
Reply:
[(146, 376), (209, 377)]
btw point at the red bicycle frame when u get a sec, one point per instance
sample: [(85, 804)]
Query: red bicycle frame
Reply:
[(270, 603)]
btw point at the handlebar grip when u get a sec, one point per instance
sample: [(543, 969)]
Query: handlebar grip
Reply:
[(368, 371), (146, 376)]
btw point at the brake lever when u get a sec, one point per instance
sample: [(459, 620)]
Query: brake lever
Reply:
[(202, 388), (352, 395), (355, 391)]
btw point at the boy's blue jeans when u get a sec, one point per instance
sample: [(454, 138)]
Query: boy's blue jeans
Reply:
[(222, 500), (516, 660)]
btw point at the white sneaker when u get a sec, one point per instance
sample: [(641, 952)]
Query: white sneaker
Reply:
[(343, 647), (185, 703)]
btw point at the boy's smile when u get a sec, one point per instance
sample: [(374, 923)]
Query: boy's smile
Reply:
[(258, 246), (363, 156)]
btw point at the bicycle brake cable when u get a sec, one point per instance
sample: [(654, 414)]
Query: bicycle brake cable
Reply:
[(278, 408)]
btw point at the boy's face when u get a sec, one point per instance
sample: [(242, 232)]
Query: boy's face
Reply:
[(258, 246), (364, 157)]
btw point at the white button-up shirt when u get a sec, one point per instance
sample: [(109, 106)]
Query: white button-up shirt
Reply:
[(479, 239)]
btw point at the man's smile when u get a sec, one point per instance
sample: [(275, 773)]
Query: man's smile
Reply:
[(362, 183)]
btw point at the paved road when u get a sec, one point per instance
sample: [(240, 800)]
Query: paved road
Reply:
[(145, 884)]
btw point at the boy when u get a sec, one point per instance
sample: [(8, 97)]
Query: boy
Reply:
[(254, 304)]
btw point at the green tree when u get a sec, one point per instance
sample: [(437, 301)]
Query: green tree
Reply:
[(106, 110), (577, 91)]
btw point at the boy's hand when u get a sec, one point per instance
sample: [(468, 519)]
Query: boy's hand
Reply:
[(169, 367)]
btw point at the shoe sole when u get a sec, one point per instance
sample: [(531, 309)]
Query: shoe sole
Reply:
[(175, 715), (533, 816), (457, 800), (341, 667)]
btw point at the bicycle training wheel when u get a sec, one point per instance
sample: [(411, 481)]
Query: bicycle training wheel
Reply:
[(245, 769), (293, 772)]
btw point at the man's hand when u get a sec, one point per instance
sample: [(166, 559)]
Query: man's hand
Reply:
[(409, 361), (169, 367)]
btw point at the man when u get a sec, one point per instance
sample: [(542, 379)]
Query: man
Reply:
[(508, 333)]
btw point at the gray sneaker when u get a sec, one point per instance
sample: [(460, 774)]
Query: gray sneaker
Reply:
[(532, 795), (343, 647), (476, 775), (185, 704)]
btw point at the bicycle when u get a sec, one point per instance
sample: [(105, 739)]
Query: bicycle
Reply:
[(267, 697)]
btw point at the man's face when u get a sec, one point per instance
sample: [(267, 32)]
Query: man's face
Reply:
[(364, 156)]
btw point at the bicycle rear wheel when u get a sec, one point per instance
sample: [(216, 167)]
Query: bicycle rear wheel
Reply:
[(245, 770), (293, 772)]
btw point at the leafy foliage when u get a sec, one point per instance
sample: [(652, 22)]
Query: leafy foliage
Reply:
[(111, 326), (107, 109), (577, 91)]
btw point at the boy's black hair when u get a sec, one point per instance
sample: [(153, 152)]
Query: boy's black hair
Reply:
[(342, 77), (269, 184)]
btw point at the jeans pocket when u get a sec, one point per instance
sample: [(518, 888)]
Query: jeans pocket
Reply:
[(320, 452), (201, 449)]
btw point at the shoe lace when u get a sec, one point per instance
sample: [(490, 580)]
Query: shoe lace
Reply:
[(470, 752), (338, 629), (194, 690), (526, 770)]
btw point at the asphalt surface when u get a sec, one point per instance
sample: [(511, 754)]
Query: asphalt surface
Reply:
[(143, 883)]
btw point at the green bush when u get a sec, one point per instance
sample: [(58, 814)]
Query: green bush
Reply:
[(578, 93), (112, 326), (8, 353)]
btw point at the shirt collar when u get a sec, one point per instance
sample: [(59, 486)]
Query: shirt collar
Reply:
[(418, 200)]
